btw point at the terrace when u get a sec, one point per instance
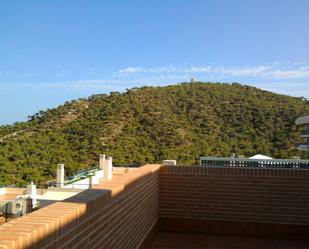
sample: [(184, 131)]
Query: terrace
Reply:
[(158, 206)]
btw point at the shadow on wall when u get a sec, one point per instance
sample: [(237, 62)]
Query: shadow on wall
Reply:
[(118, 213)]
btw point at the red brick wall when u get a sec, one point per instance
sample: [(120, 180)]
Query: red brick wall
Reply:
[(116, 214), (278, 196)]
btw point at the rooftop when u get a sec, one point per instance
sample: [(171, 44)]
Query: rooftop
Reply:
[(155, 205)]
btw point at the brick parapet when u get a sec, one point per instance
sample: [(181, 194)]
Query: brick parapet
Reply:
[(115, 213), (277, 196)]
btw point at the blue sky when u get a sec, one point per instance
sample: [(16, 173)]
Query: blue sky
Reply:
[(53, 51)]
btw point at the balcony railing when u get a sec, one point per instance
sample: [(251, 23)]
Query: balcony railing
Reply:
[(304, 133), (253, 163)]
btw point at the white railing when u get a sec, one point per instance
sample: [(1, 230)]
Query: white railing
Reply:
[(253, 163)]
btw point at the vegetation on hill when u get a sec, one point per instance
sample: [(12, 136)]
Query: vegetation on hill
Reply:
[(149, 124)]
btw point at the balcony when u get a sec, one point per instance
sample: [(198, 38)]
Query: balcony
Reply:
[(303, 147), (304, 133)]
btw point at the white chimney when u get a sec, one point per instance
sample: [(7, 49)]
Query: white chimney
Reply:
[(31, 190), (101, 161), (93, 180), (60, 175), (108, 169)]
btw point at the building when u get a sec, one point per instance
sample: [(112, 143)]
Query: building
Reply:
[(304, 121)]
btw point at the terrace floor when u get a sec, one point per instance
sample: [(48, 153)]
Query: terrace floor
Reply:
[(184, 240)]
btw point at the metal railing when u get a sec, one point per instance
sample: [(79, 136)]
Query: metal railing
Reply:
[(253, 163), (80, 175)]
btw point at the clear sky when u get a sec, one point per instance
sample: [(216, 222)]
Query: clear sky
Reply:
[(53, 51)]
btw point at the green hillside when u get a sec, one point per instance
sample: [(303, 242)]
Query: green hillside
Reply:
[(149, 124)]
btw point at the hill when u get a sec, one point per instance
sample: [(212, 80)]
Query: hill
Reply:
[(149, 124)]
